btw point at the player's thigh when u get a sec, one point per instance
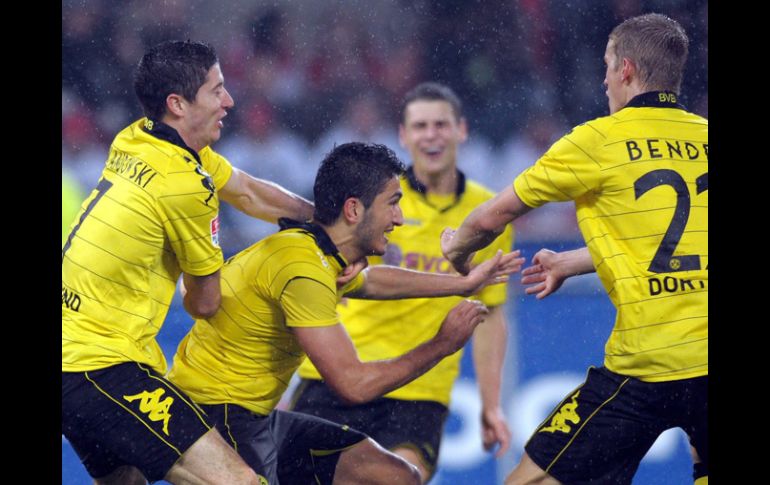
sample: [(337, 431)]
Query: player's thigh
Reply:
[(315, 398), (413, 429), (309, 446), (368, 462), (128, 414), (600, 431)]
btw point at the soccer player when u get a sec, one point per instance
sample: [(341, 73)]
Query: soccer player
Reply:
[(279, 304), (639, 179), (153, 217), (410, 420)]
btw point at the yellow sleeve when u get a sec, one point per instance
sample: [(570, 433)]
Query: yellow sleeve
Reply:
[(566, 172), (217, 166), (309, 303), (192, 225)]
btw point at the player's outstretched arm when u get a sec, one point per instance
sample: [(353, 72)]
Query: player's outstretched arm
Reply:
[(333, 354), (480, 228), (389, 282), (264, 199), (550, 269)]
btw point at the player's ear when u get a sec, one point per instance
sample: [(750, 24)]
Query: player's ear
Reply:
[(175, 104), (628, 70), (353, 210)]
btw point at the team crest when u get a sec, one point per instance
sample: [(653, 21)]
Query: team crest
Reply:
[(215, 231)]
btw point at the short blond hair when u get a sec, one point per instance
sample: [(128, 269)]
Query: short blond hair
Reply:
[(658, 47)]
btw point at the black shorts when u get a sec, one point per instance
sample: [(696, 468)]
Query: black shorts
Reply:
[(603, 429), (393, 423), (127, 414), (284, 447)]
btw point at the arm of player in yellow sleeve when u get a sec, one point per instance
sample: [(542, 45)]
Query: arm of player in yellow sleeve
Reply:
[(264, 199), (333, 354), (201, 295), (385, 282), (489, 343), (481, 227), (550, 269)]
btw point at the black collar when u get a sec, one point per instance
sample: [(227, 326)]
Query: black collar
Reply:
[(655, 99), (420, 188), (161, 130), (322, 239)]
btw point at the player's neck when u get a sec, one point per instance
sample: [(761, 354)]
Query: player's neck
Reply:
[(443, 182), (343, 237), (189, 140)]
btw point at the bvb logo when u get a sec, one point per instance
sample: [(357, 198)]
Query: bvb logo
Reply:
[(675, 264), (262, 480)]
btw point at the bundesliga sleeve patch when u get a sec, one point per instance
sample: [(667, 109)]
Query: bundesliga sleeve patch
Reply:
[(215, 231)]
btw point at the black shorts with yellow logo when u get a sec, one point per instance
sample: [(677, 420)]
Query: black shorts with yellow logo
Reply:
[(127, 414), (603, 429), (393, 423), (284, 447)]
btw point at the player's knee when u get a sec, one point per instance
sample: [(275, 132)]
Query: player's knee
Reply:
[(401, 471), (391, 468), (246, 474)]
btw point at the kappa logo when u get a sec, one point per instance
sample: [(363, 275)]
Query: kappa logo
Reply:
[(151, 404), (566, 413)]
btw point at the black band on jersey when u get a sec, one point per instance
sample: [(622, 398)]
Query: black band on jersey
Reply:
[(656, 99), (319, 235), (420, 188), (161, 130)]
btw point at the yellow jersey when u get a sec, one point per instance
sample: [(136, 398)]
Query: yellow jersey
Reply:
[(639, 179), (153, 214), (246, 353), (387, 329)]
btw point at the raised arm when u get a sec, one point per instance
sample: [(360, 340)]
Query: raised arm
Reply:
[(550, 269), (389, 282), (264, 199), (480, 228), (489, 344), (333, 354)]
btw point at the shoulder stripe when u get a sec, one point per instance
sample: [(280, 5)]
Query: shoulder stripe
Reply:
[(662, 139), (596, 130), (566, 195), (654, 160), (584, 152)]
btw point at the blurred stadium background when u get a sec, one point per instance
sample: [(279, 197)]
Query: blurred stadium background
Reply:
[(306, 74)]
